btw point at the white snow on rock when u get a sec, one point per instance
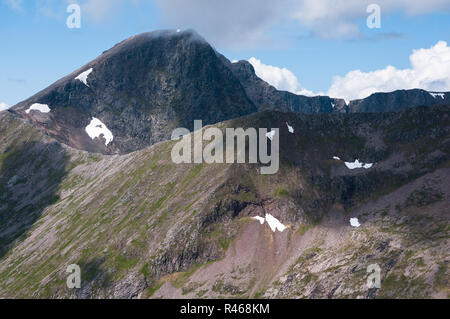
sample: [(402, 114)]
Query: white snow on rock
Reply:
[(333, 105), (84, 76), (274, 223), (178, 30), (235, 61), (290, 128), (435, 95), (358, 164), (43, 108), (260, 219), (96, 129), (354, 222), (271, 134), (336, 158)]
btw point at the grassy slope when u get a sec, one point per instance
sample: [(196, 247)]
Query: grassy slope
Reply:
[(139, 225)]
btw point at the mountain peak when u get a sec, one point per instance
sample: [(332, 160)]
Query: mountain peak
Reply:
[(140, 89)]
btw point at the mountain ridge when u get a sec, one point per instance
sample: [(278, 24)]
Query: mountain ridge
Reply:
[(149, 84), (140, 226)]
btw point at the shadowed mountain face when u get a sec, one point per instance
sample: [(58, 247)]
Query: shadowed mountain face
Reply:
[(31, 169)]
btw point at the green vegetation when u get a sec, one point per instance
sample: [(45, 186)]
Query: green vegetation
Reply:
[(280, 191)]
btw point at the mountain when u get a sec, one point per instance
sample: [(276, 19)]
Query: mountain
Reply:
[(86, 178), (137, 92), (141, 90), (265, 96), (140, 226)]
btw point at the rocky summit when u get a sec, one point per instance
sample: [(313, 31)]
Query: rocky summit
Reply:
[(87, 179), (141, 90)]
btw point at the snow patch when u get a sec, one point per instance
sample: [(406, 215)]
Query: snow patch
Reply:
[(270, 135), (260, 219), (354, 222), (336, 158), (274, 223), (43, 108), (178, 30), (436, 95), (290, 128), (235, 61), (358, 164), (96, 129), (84, 76), (333, 105)]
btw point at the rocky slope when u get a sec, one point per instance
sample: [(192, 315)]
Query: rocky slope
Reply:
[(141, 226)]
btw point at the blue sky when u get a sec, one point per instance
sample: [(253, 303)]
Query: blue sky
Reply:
[(38, 48)]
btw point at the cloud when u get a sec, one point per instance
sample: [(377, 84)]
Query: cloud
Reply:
[(340, 18), (3, 106), (241, 24), (232, 23), (236, 23), (430, 70), (281, 78)]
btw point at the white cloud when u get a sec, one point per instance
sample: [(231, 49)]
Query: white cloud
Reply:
[(330, 19), (430, 70), (340, 18), (3, 106), (237, 23), (281, 78), (242, 24), (231, 23)]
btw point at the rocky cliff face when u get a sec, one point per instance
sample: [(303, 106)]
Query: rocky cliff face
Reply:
[(398, 100), (266, 97)]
